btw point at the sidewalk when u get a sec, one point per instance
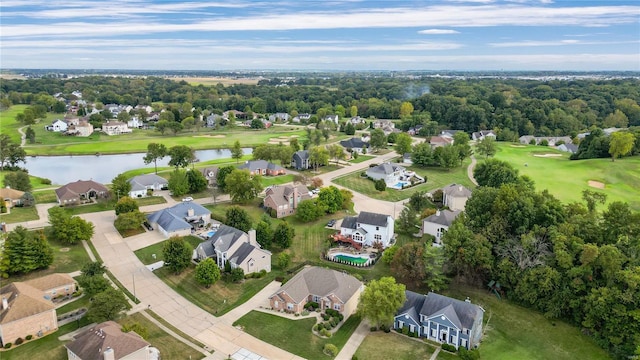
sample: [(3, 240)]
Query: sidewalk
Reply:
[(349, 349)]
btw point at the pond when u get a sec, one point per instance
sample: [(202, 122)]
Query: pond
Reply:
[(64, 169)]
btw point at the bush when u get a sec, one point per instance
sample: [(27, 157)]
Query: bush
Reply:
[(44, 181), (237, 274), (319, 326), (373, 328), (330, 350), (405, 330), (326, 333), (387, 330), (305, 312), (313, 305), (448, 347), (325, 317), (380, 185), (340, 317), (29, 337), (354, 357), (7, 346), (468, 354), (19, 341)]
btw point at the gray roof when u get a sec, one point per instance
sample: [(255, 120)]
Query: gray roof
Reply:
[(349, 222), (141, 181), (211, 169), (91, 344), (302, 154), (372, 218), (226, 236), (354, 143), (175, 217), (461, 313), (569, 147), (254, 165), (386, 168), (444, 217), (241, 254), (456, 190), (322, 282)]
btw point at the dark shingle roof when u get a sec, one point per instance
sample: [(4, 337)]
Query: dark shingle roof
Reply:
[(372, 218), (436, 304), (80, 187), (302, 154), (354, 143), (349, 222), (254, 165), (226, 236), (444, 217), (386, 168), (173, 218), (243, 251)]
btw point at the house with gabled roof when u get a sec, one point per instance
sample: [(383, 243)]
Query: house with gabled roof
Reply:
[(107, 341), (300, 160), (180, 219), (114, 127), (283, 200), (354, 144), (442, 319), (455, 196), (482, 134), (437, 224), (262, 167), (368, 228), (440, 141), (211, 174), (141, 183), (329, 288), (236, 247), (12, 197), (81, 191), (57, 126), (387, 171)]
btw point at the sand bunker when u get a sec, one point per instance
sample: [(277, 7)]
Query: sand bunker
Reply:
[(596, 184), (65, 249), (547, 155), (211, 136), (520, 146)]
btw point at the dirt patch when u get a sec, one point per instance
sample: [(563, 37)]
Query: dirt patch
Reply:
[(596, 184), (65, 249), (210, 136), (547, 155), (518, 146)]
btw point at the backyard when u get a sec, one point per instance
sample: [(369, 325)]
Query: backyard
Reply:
[(106, 205), (567, 179), (20, 214), (295, 336), (381, 346)]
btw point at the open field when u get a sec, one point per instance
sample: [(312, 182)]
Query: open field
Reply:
[(215, 80), (295, 336), (110, 204), (436, 178), (8, 123), (381, 346), (36, 182), (20, 214), (567, 179)]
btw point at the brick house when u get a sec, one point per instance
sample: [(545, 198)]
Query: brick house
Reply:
[(284, 199), (262, 167)]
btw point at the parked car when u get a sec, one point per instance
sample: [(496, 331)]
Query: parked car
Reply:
[(315, 191), (148, 226), (188, 198), (331, 223)]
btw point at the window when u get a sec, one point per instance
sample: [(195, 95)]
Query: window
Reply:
[(377, 237), (316, 298), (289, 306), (412, 328), (336, 306), (357, 237), (377, 227)]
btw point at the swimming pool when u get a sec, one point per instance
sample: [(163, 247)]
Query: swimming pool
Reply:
[(363, 259), (211, 233), (399, 184)]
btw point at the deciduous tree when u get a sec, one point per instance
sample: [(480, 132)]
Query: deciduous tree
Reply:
[(177, 254), (207, 272), (494, 173), (197, 181), (181, 156), (621, 144), (403, 143), (107, 305), (486, 147), (129, 221), (236, 151), (238, 218), (378, 139), (25, 251), (178, 182), (242, 187), (68, 229), (18, 180), (283, 235), (381, 300), (155, 152), (222, 177), (126, 204), (120, 186), (264, 234)]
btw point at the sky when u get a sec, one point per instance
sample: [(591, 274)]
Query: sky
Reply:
[(562, 35)]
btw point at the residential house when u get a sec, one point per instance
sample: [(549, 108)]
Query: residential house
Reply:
[(236, 113), (72, 121), (301, 117), (437, 224), (83, 128), (387, 126), (442, 319), (211, 174), (328, 288), (12, 197), (27, 308), (135, 123), (455, 196), (389, 172), (283, 200), (449, 133), (180, 219), (81, 191), (406, 159), (482, 134), (414, 130), (354, 144), (107, 341), (57, 126), (113, 127), (77, 94), (570, 148), (237, 247), (300, 160), (213, 120), (333, 118), (262, 167), (357, 120), (282, 117), (551, 140), (142, 183), (440, 141), (368, 228)]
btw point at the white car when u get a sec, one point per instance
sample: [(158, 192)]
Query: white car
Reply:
[(188, 198)]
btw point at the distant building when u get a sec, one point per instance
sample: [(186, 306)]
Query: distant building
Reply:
[(300, 160), (455, 196), (437, 224), (262, 167)]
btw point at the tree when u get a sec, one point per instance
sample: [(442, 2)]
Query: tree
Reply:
[(10, 152), (242, 187), (126, 204), (284, 154), (448, 156), (336, 152), (406, 109), (349, 129), (422, 155), (178, 182), (93, 284), (175, 127), (207, 272), (330, 198), (408, 221), (592, 198), (616, 119), (123, 116), (18, 180), (284, 260), (238, 218), (408, 263), (257, 124), (461, 143), (353, 111), (494, 173), (93, 268), (378, 139), (30, 135), (188, 123), (120, 186), (380, 185), (129, 221), (621, 144), (107, 305), (308, 211), (403, 143), (68, 229), (236, 151), (486, 147), (283, 235), (418, 201), (162, 126), (181, 156), (294, 144), (318, 156), (196, 180), (381, 300), (155, 152), (389, 253), (177, 254), (236, 275), (264, 234), (25, 251), (222, 176)]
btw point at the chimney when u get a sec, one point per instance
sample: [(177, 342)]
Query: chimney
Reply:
[(5, 303), (438, 212), (109, 354), (467, 300), (190, 212), (295, 197), (460, 188), (252, 236)]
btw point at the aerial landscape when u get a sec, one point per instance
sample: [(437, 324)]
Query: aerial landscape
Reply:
[(348, 179)]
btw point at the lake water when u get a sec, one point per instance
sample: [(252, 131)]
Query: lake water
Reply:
[(64, 169)]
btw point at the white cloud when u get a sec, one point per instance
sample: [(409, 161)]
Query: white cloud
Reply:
[(532, 43), (438, 32)]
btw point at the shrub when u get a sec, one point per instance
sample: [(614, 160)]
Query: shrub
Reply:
[(315, 327), (330, 350), (296, 314), (468, 354), (387, 330), (325, 317), (19, 341), (7, 346), (340, 317), (305, 312), (328, 325), (405, 330), (448, 347), (373, 328), (29, 337), (333, 322), (380, 185), (355, 357), (319, 326), (44, 181), (313, 305), (326, 333), (236, 275)]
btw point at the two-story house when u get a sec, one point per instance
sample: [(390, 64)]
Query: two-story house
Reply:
[(113, 127), (107, 341), (368, 228), (455, 196), (388, 172), (238, 248), (300, 160), (437, 224), (283, 200)]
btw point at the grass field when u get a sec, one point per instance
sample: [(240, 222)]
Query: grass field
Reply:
[(295, 336), (567, 179), (436, 178), (8, 123), (110, 205), (146, 254), (361, 158), (45, 196), (66, 259), (276, 180), (20, 214), (382, 346)]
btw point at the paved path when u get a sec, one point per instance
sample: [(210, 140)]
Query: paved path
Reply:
[(470, 170), (349, 349), (23, 136), (434, 356), (43, 214)]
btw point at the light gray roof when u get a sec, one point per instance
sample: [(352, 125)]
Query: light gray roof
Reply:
[(461, 313), (175, 217), (322, 282), (254, 165), (456, 190), (140, 182), (281, 194), (386, 168), (226, 236), (444, 217)]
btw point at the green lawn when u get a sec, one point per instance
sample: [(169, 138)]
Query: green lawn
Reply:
[(170, 347), (276, 180), (107, 205), (20, 214), (361, 158), (36, 182), (8, 122), (295, 336), (514, 332), (436, 178), (82, 302), (45, 196), (567, 179), (382, 346), (146, 254)]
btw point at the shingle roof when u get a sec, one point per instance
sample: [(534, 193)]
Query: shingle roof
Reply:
[(279, 194), (302, 154), (8, 193), (174, 218), (372, 218), (443, 217), (24, 300), (456, 190), (50, 281), (225, 237), (349, 222), (319, 281), (146, 180), (254, 165), (353, 143), (91, 344), (242, 252), (436, 304), (80, 187), (386, 168)]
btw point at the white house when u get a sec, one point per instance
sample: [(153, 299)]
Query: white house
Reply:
[(389, 172), (368, 228), (58, 126), (141, 183), (332, 118), (455, 196), (482, 134), (135, 123), (279, 116), (438, 223), (113, 127)]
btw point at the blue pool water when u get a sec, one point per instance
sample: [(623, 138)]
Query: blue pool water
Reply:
[(353, 259), (400, 184), (210, 233)]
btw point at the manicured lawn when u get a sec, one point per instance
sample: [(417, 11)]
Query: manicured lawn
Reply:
[(276, 180), (20, 214), (170, 347), (566, 179), (36, 182), (514, 332), (56, 144), (45, 196), (379, 345), (436, 178), (151, 200), (90, 208), (295, 336), (83, 301), (146, 254), (361, 158), (219, 210), (8, 122)]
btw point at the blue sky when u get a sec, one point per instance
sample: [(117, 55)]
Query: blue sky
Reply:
[(321, 35)]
